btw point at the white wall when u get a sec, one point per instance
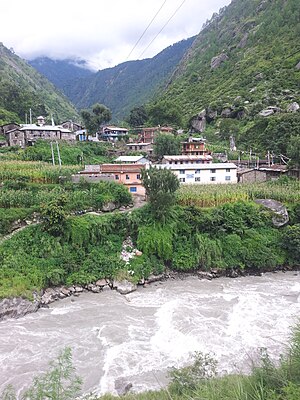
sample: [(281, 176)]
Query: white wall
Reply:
[(199, 174)]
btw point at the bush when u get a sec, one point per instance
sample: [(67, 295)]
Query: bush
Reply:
[(291, 242), (204, 367), (156, 240)]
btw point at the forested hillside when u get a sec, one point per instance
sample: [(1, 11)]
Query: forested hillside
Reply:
[(120, 88), (61, 73), (22, 88), (243, 70)]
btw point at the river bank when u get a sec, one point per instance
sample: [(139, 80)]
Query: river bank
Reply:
[(18, 307), (140, 336)]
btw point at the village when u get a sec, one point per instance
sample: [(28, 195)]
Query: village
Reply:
[(195, 165)]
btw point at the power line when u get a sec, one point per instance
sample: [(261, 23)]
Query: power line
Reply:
[(142, 35), (172, 16)]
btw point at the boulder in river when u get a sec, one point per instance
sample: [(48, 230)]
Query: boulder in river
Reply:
[(124, 286), (17, 307)]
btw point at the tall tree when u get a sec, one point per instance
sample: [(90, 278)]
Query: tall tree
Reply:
[(166, 144), (138, 116), (93, 119), (160, 185)]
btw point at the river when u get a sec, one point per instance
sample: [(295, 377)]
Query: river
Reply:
[(141, 335)]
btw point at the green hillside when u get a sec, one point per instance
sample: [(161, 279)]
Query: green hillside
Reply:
[(246, 59), (22, 88), (120, 88)]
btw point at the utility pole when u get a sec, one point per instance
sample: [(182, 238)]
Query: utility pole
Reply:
[(52, 153), (58, 154), (30, 116)]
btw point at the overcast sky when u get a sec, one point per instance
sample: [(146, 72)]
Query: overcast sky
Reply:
[(102, 32)]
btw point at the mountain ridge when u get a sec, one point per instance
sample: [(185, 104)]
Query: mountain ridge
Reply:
[(126, 85), (22, 88)]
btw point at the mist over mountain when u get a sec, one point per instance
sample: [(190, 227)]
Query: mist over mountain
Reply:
[(120, 88), (22, 88)]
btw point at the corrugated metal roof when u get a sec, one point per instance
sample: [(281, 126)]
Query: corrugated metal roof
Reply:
[(33, 127), (132, 159), (196, 166), (187, 158)]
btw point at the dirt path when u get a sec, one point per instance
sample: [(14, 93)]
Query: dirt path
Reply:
[(138, 202)]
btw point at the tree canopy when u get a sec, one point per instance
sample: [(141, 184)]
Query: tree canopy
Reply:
[(138, 116), (93, 119), (160, 185), (166, 144)]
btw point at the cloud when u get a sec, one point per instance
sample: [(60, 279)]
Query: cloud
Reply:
[(102, 32)]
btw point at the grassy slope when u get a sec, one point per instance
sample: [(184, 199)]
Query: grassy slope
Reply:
[(22, 87), (272, 48)]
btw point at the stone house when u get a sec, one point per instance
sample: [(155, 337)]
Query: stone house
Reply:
[(148, 135), (140, 147)]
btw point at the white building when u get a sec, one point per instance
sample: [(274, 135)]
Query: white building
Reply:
[(213, 173), (132, 160)]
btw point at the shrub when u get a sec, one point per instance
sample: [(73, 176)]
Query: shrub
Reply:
[(204, 367), (156, 240)]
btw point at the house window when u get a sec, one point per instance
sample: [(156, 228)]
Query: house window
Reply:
[(197, 171), (227, 178), (213, 178), (197, 179), (127, 177), (213, 171), (181, 162), (227, 169), (138, 176), (182, 171), (116, 177), (133, 189), (181, 179)]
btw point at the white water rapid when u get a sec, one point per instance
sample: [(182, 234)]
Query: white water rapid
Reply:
[(141, 335)]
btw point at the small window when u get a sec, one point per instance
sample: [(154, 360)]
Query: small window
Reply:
[(227, 169), (213, 178), (181, 162), (197, 171), (116, 177), (138, 176), (133, 189), (182, 171), (127, 177), (197, 179), (213, 171), (227, 178), (181, 179)]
